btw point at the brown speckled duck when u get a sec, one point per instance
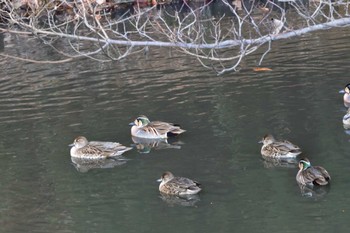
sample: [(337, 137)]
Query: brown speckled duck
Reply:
[(178, 185), (82, 148), (278, 149)]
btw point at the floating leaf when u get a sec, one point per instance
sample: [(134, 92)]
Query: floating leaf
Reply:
[(262, 69)]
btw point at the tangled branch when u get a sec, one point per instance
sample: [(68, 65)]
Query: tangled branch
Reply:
[(218, 38)]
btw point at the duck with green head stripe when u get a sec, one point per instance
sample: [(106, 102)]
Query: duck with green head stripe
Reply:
[(142, 127), (312, 175)]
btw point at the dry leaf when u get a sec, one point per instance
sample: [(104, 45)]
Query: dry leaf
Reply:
[(262, 69)]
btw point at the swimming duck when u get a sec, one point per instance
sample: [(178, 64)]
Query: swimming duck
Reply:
[(177, 185), (311, 175), (278, 149), (142, 127), (346, 97), (82, 148)]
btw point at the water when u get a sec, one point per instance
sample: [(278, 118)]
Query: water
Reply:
[(45, 106)]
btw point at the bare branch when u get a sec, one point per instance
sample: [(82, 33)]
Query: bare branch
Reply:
[(218, 40)]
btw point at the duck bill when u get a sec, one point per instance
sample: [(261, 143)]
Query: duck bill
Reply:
[(261, 141), (132, 124), (70, 145), (342, 91), (159, 180)]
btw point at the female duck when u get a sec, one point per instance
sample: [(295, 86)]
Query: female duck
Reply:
[(82, 148), (142, 127), (278, 149), (178, 185), (311, 175)]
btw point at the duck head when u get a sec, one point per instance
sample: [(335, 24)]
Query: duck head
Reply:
[(166, 177), (267, 139), (80, 142), (304, 164), (140, 121)]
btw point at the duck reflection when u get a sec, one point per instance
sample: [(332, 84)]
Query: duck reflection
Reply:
[(278, 162), (184, 200), (145, 145), (84, 165), (314, 192)]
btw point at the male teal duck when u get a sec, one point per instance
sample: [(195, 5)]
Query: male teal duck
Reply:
[(278, 149), (179, 186), (311, 175), (346, 96), (142, 127), (82, 148)]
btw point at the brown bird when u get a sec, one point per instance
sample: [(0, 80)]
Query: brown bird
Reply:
[(312, 175), (178, 185), (283, 149), (82, 148)]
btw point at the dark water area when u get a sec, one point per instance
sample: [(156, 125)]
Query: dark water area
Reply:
[(43, 107)]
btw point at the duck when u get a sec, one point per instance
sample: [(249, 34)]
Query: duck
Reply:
[(346, 96), (179, 186), (142, 127), (82, 148), (346, 118), (278, 149), (311, 175)]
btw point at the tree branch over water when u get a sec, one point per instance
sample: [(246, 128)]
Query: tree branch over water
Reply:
[(219, 34)]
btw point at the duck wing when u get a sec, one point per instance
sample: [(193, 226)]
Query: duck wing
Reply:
[(182, 184), (290, 145), (324, 176), (92, 152), (280, 149), (105, 145), (316, 175), (110, 148), (165, 128)]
